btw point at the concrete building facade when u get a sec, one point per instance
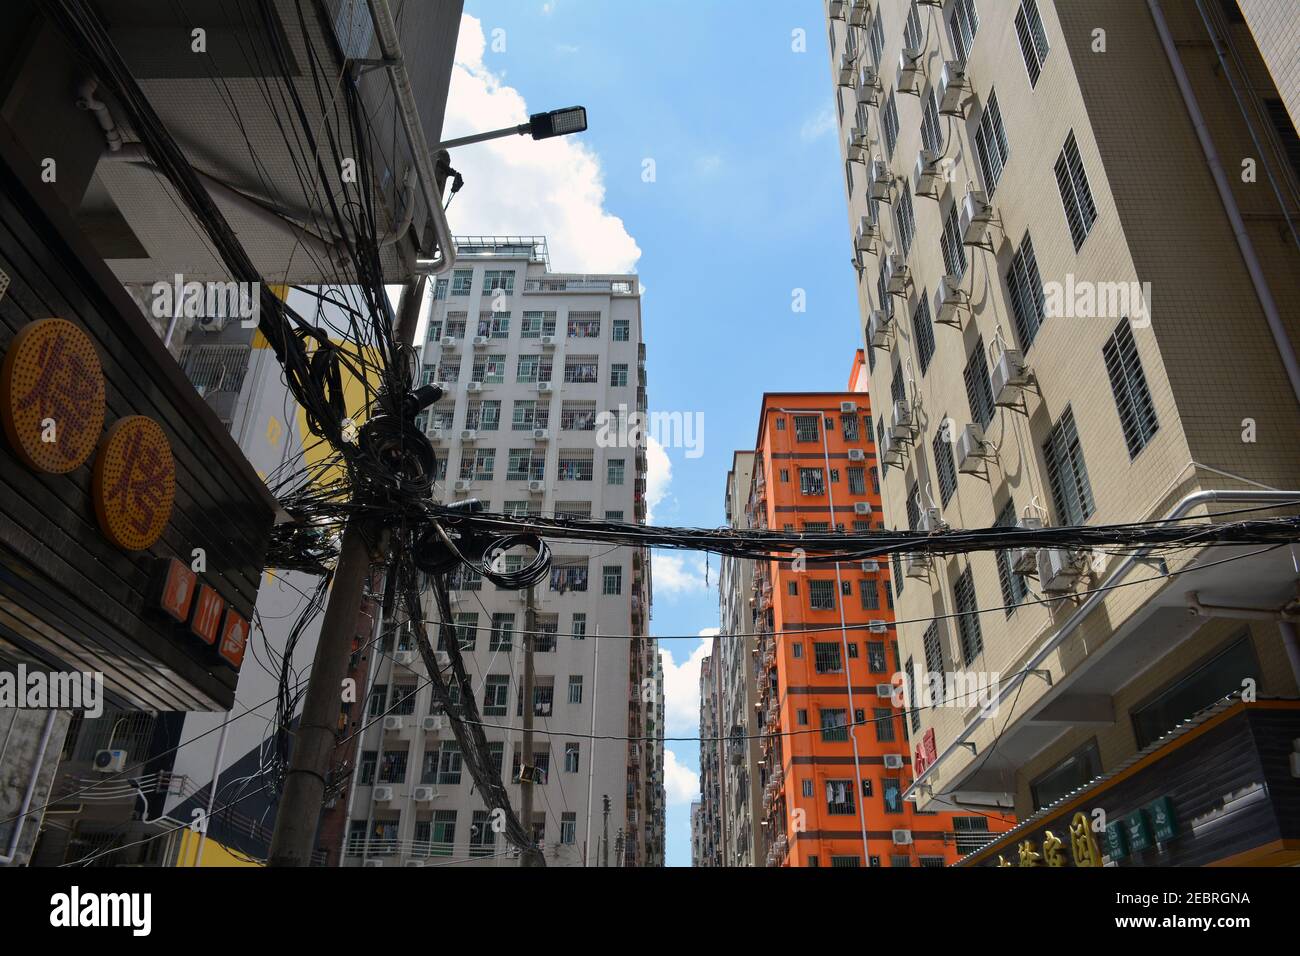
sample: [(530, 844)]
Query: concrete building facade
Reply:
[(1077, 307)]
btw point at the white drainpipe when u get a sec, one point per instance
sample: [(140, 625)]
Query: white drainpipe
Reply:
[(19, 821)]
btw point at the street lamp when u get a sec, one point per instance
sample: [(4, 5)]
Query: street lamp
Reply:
[(572, 119)]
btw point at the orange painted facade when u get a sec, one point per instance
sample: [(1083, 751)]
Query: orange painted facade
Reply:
[(834, 774)]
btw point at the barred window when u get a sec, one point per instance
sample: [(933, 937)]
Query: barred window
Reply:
[(835, 725), (536, 324), (1076, 195), (1012, 584), (1033, 39), (1027, 296), (991, 144), (876, 660), (578, 416), (954, 253), (805, 428), (968, 621), (502, 635), (584, 325), (582, 369), (1128, 383), (943, 465), (826, 657), (575, 464), (1066, 471), (821, 595), (931, 131), (905, 219), (923, 330), (889, 123), (979, 393), (812, 481), (934, 660), (839, 797), (964, 23)]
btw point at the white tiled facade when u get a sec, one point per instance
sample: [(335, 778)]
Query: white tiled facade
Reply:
[(1090, 83), (604, 682)]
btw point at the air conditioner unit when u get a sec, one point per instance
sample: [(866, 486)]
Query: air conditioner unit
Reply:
[(109, 761), (463, 485), (870, 566), (1008, 377), (373, 863), (474, 386), (545, 387), (893, 761), (857, 454), (867, 235), (1025, 560), (468, 434), (859, 13), (868, 86), (856, 145), (835, 9), (916, 566), (392, 722), (548, 341), (403, 657), (433, 723), (878, 180), (896, 275), (1057, 570), (974, 218), (848, 408), (480, 341), (954, 87), (900, 425), (878, 327), (536, 487), (424, 794), (902, 837), (862, 507), (383, 794), (970, 450), (950, 302), (541, 434), (928, 173), (931, 519), (212, 323), (883, 691), (442, 658), (437, 434), (847, 72), (909, 71), (448, 341), (891, 451)]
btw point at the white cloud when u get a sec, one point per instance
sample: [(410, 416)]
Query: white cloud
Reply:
[(675, 574), (659, 475), (519, 186), (681, 783), (818, 125), (682, 689)]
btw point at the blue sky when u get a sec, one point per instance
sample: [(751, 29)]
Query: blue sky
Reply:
[(745, 207)]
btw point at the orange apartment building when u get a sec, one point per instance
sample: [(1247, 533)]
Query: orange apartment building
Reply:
[(835, 756)]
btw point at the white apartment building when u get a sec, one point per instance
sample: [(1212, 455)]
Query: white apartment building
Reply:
[(530, 361), (1081, 310)]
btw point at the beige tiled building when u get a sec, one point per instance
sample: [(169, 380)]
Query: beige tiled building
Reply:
[(1112, 301)]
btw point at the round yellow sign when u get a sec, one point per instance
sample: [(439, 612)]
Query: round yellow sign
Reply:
[(134, 483), (52, 395)]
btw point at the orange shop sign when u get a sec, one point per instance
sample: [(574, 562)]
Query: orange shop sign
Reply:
[(203, 611)]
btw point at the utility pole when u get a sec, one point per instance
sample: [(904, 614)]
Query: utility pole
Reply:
[(314, 740), (531, 856)]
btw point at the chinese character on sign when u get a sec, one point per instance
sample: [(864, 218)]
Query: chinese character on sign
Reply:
[(135, 483)]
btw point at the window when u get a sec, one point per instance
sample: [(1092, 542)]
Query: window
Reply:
[(1027, 296), (618, 374), (943, 465), (499, 280), (851, 862), (533, 368), (529, 414), (478, 465), (1033, 39), (483, 415), (870, 593), (876, 40), (462, 281), (537, 324), (883, 718), (934, 662), (1128, 383), (578, 416), (571, 757), (801, 717), (614, 471), (912, 32), (568, 828), (1075, 771), (1076, 196), (848, 177), (839, 797), (821, 594), (442, 832), (570, 575), (403, 703), (456, 323), (835, 724), (1013, 585), (812, 481), (584, 325), (494, 325), (905, 220), (576, 464), (621, 330), (978, 391), (968, 621), (378, 700), (369, 760), (931, 132), (612, 579), (1217, 678), (849, 427), (575, 688), (857, 480), (826, 657), (526, 464), (503, 627), (579, 631), (1066, 471), (449, 764), (923, 331), (991, 145), (482, 838), (954, 253), (582, 369), (891, 794), (964, 23), (449, 369), (805, 428), (909, 674), (548, 625), (971, 832), (876, 661), (889, 123), (495, 696)]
